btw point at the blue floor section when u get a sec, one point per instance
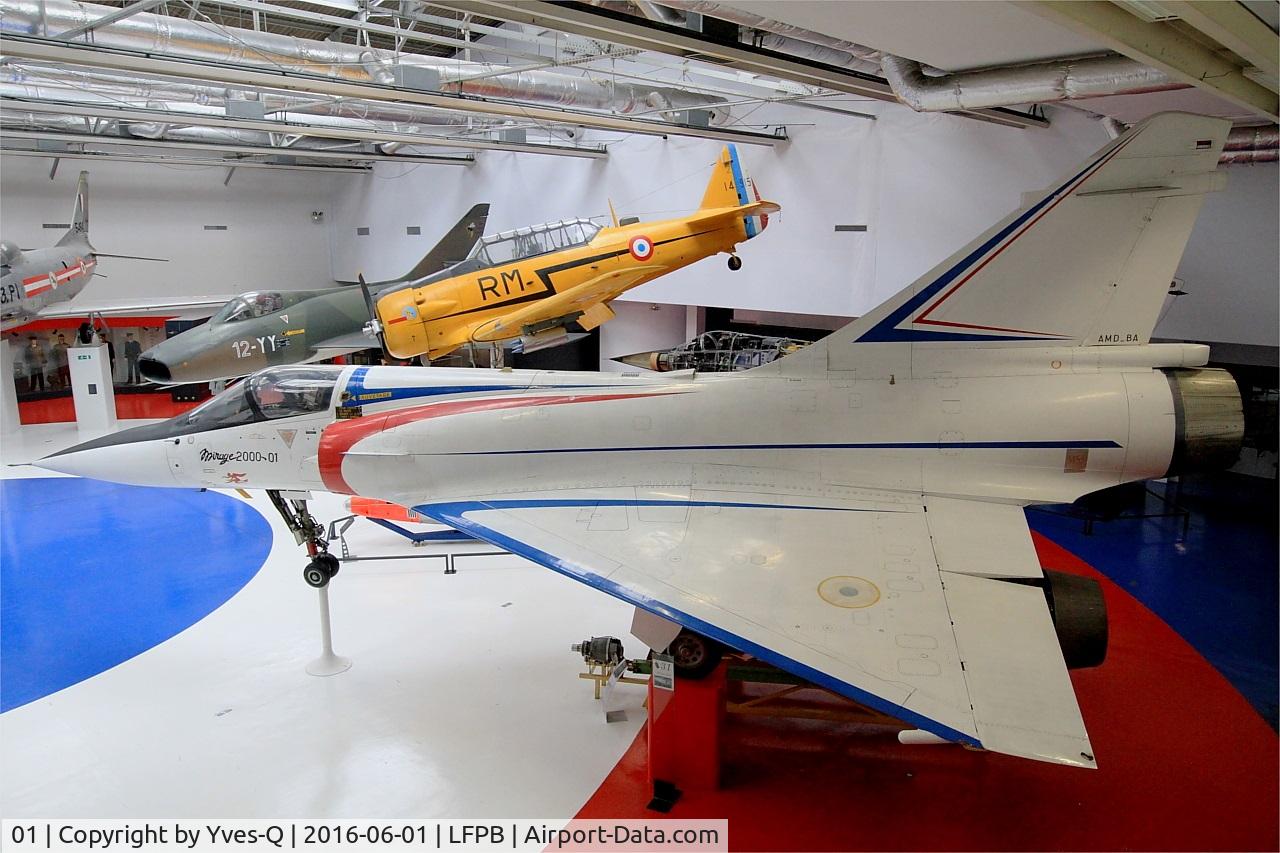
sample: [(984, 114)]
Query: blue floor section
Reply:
[(93, 573), (1217, 588)]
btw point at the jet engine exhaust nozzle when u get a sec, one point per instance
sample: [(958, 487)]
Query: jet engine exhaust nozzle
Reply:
[(1209, 420)]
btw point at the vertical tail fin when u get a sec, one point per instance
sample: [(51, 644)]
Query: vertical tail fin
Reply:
[(1087, 262), (731, 186), (80, 215), (453, 246), (728, 184)]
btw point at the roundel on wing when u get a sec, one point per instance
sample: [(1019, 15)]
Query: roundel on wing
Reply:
[(641, 248), (410, 313)]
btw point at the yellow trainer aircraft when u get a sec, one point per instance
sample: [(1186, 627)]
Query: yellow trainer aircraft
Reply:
[(527, 284)]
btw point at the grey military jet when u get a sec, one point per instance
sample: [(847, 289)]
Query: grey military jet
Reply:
[(268, 328), (38, 283)]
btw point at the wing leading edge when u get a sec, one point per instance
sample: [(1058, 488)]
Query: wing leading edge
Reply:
[(847, 594)]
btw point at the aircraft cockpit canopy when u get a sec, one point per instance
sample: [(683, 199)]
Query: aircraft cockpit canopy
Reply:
[(534, 240), (249, 305), (280, 392), (9, 252)]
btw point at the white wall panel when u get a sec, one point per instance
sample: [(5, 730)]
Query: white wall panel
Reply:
[(922, 184), (641, 327), (1231, 269), (160, 211)]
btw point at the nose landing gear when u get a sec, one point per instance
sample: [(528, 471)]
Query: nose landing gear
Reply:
[(321, 570), (323, 566), (735, 263)]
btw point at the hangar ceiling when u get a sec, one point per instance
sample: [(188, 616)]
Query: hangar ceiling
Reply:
[(343, 84)]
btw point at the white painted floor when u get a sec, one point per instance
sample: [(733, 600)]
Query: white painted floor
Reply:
[(463, 701)]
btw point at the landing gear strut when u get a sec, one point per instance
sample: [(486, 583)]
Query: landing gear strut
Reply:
[(323, 566), (307, 531)]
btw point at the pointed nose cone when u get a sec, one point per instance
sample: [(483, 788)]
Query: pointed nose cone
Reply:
[(643, 360), (137, 457)]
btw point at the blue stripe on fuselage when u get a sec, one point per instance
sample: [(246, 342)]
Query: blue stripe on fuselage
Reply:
[(359, 395), (883, 445)]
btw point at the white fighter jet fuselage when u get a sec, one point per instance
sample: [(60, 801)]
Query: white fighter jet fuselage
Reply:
[(417, 434), (851, 512)]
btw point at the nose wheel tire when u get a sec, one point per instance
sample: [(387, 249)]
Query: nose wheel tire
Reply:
[(321, 570), (735, 262)]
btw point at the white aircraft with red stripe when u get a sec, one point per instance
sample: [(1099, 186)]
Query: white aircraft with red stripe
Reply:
[(38, 284), (852, 512)]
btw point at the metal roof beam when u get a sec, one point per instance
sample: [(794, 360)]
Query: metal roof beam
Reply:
[(1160, 46), (618, 28), (372, 134), (263, 150), (1235, 28), (353, 23), (175, 161), (27, 47)]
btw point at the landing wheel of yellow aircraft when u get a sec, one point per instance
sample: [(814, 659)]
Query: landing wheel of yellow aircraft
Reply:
[(694, 655), (735, 262)]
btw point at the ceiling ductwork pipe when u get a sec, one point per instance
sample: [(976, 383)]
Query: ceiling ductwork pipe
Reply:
[(1247, 145), (819, 53), (781, 37), (26, 119), (653, 11), (65, 85), (164, 35), (1253, 138), (1260, 155), (769, 25), (1040, 83)]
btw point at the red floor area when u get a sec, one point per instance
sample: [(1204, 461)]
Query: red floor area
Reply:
[(128, 407), (1184, 764)]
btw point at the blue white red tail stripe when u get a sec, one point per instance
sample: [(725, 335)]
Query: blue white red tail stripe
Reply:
[(916, 310)]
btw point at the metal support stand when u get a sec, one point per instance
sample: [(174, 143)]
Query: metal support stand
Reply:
[(338, 528), (328, 663), (292, 507)]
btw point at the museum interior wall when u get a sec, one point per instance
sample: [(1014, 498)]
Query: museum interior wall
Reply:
[(643, 327), (1232, 264), (921, 184), (162, 211)]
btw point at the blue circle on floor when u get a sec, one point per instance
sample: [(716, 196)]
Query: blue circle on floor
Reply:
[(94, 573)]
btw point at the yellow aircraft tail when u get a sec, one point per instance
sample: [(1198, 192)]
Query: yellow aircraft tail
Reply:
[(731, 186)]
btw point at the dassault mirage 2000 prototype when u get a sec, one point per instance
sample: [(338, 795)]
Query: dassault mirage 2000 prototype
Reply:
[(851, 512), (265, 328), (527, 284)]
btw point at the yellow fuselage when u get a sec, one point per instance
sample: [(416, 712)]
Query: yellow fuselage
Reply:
[(439, 317)]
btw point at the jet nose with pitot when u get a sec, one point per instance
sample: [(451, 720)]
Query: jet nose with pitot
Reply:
[(137, 456)]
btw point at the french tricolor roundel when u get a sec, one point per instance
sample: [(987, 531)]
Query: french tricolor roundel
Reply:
[(641, 248)]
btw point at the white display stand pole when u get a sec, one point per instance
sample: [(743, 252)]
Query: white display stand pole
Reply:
[(9, 422), (91, 388), (328, 663)]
